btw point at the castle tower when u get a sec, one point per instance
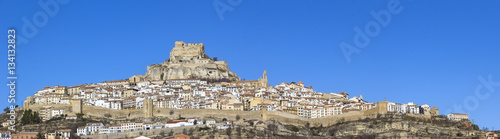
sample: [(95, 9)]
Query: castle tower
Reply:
[(382, 107), (148, 108), (28, 102), (263, 82), (264, 75), (77, 106), (26, 105)]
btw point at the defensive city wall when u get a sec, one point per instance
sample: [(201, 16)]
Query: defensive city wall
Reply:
[(282, 117)]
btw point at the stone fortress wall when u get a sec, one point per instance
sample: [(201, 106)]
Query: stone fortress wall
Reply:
[(282, 117)]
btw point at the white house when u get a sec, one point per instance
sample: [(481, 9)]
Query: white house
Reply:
[(147, 126), (57, 112), (457, 116), (104, 130), (5, 134), (116, 104), (93, 128), (115, 129), (64, 101), (128, 126), (170, 124), (81, 131), (102, 103)]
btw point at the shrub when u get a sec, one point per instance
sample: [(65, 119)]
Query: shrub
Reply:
[(237, 117), (203, 128), (295, 129)]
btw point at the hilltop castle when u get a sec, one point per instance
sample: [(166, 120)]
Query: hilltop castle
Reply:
[(189, 61)]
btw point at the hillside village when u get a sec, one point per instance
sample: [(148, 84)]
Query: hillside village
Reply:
[(166, 90), (293, 98), (205, 84)]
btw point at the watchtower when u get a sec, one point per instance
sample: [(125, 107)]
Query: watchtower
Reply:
[(77, 106), (148, 108)]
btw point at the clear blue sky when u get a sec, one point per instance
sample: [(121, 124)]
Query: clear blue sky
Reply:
[(432, 52)]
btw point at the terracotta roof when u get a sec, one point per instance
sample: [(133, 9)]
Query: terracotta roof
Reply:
[(174, 122), (116, 81), (76, 86), (131, 98), (63, 130)]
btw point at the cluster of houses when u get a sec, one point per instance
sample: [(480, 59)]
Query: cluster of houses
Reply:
[(294, 98), (58, 134), (99, 128)]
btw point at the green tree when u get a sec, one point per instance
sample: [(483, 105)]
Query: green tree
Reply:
[(295, 129), (40, 136), (237, 117), (79, 115), (161, 76), (27, 116), (36, 118)]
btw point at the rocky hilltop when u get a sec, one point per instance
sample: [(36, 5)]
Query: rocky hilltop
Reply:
[(189, 61)]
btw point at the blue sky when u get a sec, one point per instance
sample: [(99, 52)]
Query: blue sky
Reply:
[(431, 52)]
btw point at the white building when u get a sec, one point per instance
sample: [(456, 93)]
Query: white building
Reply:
[(147, 126), (81, 131), (102, 103), (5, 134), (104, 130), (170, 124), (457, 116), (116, 104), (57, 112), (93, 128)]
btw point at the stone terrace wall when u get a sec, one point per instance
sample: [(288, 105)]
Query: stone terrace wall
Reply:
[(282, 117), (287, 118)]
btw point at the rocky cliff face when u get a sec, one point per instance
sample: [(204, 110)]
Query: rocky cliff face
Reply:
[(402, 126), (189, 61)]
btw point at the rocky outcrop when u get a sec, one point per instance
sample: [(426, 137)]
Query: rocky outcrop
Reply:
[(402, 126), (189, 61)]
